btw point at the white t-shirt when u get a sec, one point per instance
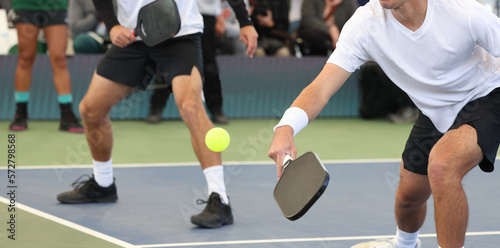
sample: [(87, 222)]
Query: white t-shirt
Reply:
[(191, 19), (449, 61), (209, 7)]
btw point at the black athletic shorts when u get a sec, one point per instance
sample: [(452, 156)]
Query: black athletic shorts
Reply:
[(483, 114), (137, 64), (41, 18)]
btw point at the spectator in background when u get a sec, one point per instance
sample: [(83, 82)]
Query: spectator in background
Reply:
[(381, 98), (294, 15), (88, 32), (227, 31), (321, 23), (270, 18), (5, 4), (29, 17)]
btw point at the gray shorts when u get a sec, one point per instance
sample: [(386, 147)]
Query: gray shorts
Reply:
[(137, 64), (483, 114), (40, 18)]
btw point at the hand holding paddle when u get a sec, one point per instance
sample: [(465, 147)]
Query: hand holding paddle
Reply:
[(302, 183), (120, 36), (281, 145)]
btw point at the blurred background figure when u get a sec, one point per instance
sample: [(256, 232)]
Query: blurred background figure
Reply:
[(5, 4), (29, 17), (270, 18), (227, 31), (321, 22), (88, 32), (294, 15), (381, 98)]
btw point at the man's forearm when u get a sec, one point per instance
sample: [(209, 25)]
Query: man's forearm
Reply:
[(106, 12), (240, 10)]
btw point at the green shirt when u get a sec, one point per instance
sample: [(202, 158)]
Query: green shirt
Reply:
[(38, 5)]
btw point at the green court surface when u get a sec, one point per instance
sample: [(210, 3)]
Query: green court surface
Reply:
[(35, 231), (137, 142)]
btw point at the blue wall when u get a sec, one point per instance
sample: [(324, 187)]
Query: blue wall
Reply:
[(252, 88)]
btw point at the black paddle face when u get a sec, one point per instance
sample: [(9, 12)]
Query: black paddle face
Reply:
[(303, 181), (158, 21)]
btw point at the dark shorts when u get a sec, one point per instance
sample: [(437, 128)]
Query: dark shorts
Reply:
[(483, 114), (137, 64), (41, 18)]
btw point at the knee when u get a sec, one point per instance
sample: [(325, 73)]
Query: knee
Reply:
[(442, 174), (58, 61), (409, 200), (26, 61), (189, 107), (90, 113)]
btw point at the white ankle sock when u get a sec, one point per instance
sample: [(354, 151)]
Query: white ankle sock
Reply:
[(103, 173), (215, 181), (440, 246), (406, 240)]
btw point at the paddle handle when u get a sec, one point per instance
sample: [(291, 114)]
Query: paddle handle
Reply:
[(286, 160)]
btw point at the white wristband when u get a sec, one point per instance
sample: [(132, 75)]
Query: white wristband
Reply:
[(294, 117)]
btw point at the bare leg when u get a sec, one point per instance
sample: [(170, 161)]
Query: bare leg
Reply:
[(27, 35), (411, 200), (453, 156), (101, 96), (187, 91), (56, 36)]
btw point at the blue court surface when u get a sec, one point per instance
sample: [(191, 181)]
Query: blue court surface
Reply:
[(156, 202)]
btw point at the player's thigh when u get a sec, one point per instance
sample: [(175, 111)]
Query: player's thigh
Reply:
[(102, 95), (27, 35), (456, 153), (181, 59), (188, 88), (57, 39)]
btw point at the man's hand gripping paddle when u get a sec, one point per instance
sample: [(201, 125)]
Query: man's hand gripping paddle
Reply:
[(303, 181)]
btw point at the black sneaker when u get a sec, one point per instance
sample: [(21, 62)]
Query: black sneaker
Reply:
[(215, 213), (87, 191), (154, 116), (19, 123), (70, 124), (219, 118), (68, 121)]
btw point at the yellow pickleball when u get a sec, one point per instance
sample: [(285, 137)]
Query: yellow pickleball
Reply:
[(217, 139)]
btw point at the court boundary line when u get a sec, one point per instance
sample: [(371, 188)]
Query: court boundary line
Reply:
[(69, 224), (263, 241), (226, 163), (363, 161)]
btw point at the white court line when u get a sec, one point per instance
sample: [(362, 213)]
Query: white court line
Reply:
[(367, 161), (69, 224), (261, 241), (181, 164)]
